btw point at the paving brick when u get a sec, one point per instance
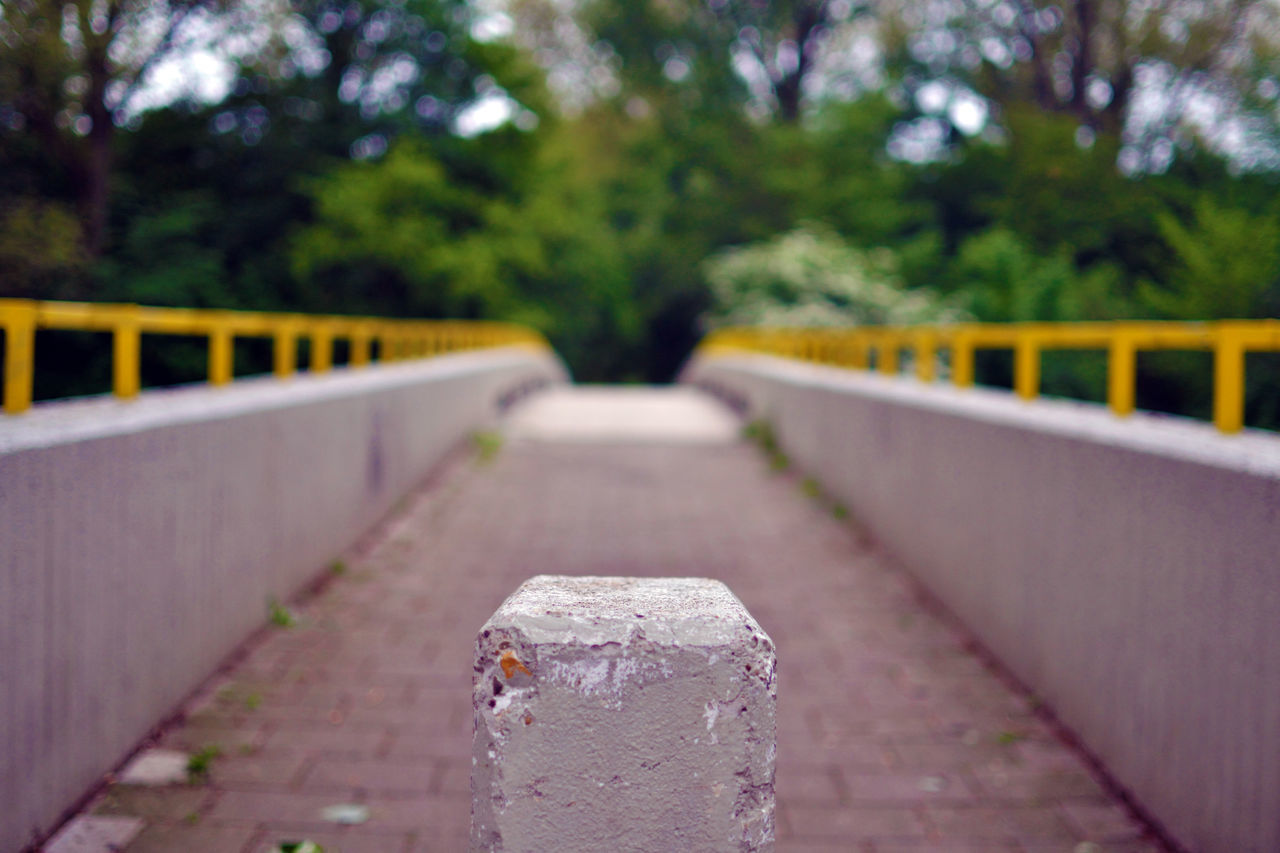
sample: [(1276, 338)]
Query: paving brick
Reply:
[(258, 770), (934, 846), (93, 834), (1025, 823), (1102, 822), (810, 784), (171, 803), (854, 824), (227, 736), (900, 788), (255, 807), (336, 740), (372, 775), (185, 836), (1021, 783), (346, 840)]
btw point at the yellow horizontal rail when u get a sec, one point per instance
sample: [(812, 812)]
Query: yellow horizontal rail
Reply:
[(387, 339), (855, 347)]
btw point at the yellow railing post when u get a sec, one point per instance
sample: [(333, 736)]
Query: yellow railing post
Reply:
[(360, 346), (18, 321), (1026, 364), (1228, 379), (926, 351), (284, 348), (221, 352), (321, 347), (887, 353), (126, 345), (1122, 369), (390, 348), (859, 356), (962, 359)]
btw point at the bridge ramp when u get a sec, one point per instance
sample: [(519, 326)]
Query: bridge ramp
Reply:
[(895, 734)]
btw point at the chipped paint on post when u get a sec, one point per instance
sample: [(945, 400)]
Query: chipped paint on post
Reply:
[(629, 714)]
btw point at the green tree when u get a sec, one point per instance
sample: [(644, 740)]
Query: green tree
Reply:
[(399, 235), (710, 56), (1005, 280), (41, 252), (1226, 265), (69, 72), (1088, 58)]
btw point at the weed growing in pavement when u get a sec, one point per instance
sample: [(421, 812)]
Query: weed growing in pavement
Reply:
[(280, 615), (252, 701), (487, 444), (1006, 738), (761, 432), (338, 568), (200, 761)]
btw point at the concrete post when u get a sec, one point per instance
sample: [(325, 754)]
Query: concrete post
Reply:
[(623, 714)]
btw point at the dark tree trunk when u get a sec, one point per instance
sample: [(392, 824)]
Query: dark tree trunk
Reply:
[(808, 19), (95, 188), (1082, 66)]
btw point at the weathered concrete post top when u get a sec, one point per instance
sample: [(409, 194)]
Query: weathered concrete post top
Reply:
[(623, 714)]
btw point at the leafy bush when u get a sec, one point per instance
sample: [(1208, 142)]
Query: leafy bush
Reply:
[(810, 277)]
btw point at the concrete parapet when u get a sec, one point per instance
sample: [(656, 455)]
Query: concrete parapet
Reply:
[(140, 542), (1126, 570), (623, 714)]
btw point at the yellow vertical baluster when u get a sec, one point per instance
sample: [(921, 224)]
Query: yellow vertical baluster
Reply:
[(360, 346), (926, 350), (221, 352), (321, 347), (1026, 365), (18, 321), (126, 342), (1122, 367), (285, 349), (887, 353), (962, 359), (1228, 379)]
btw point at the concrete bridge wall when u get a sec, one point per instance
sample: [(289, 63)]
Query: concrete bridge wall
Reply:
[(1127, 571), (141, 542)]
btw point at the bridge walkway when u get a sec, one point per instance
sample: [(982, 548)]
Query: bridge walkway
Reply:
[(894, 734)]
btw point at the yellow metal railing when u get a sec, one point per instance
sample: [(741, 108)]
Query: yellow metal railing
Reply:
[(393, 339), (1228, 340)]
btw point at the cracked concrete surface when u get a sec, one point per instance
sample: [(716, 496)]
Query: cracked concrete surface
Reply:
[(628, 714)]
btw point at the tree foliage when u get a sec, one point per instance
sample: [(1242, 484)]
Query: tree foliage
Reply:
[(69, 73), (648, 168), (1147, 69)]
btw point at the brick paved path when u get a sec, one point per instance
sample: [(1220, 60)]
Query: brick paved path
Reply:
[(893, 736)]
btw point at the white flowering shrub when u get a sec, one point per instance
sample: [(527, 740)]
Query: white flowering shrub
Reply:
[(810, 277)]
